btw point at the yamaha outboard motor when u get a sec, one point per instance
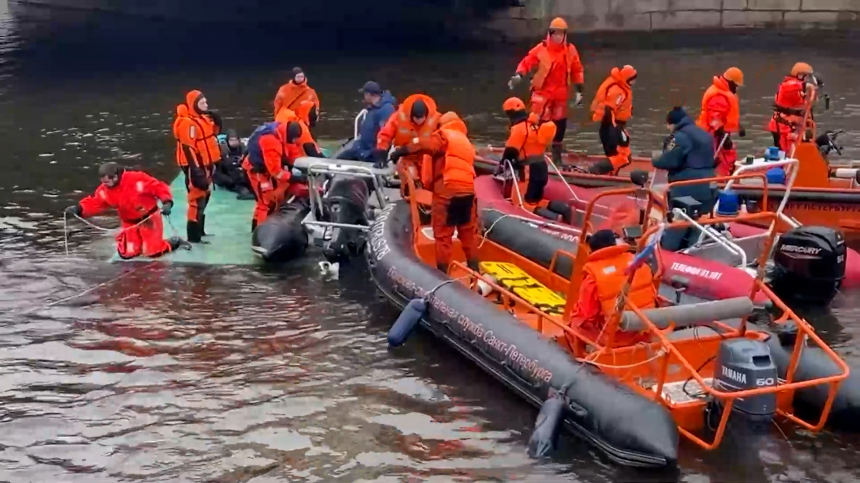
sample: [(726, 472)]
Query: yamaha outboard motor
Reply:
[(346, 203), (809, 264), (282, 237), (744, 364)]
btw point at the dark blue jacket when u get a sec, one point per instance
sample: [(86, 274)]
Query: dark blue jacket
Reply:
[(377, 116), (691, 157)]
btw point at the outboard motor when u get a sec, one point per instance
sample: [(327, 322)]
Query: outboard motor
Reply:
[(809, 264), (346, 203), (744, 364)]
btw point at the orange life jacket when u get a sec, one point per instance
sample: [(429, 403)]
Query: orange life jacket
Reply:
[(407, 132), (531, 138), (616, 93), (720, 87), (546, 60), (291, 94), (607, 267), (195, 132), (455, 171)]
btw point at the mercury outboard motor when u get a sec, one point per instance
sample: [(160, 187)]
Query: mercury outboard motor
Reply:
[(744, 364), (346, 203), (809, 264)]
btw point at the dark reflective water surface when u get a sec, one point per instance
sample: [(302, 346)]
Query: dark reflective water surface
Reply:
[(168, 373)]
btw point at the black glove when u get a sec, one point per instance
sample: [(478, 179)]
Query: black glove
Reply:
[(742, 132), (397, 154), (166, 207), (74, 210)]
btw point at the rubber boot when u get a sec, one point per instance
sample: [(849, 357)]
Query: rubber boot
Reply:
[(443, 267), (473, 264), (176, 243), (253, 226), (555, 150), (203, 226), (194, 232)]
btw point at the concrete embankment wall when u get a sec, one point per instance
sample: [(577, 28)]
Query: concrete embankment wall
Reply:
[(654, 15)]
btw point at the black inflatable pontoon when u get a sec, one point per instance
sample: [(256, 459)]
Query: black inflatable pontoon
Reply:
[(628, 428), (282, 237)]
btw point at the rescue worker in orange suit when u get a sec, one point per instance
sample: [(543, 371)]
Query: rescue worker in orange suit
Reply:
[(272, 149), (526, 146), (721, 116), (451, 178), (413, 123), (605, 274), (613, 107), (788, 106), (196, 130), (135, 196), (293, 95), (558, 66), (303, 113)]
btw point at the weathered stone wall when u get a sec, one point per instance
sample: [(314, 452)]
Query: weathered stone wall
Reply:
[(651, 15)]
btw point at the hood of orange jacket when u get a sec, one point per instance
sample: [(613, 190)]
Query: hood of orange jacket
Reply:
[(191, 103)]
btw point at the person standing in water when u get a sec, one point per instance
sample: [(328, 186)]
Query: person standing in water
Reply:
[(196, 130), (558, 66), (297, 96), (135, 196)]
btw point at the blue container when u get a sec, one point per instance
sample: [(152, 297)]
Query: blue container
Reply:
[(775, 176), (729, 203), (771, 154)]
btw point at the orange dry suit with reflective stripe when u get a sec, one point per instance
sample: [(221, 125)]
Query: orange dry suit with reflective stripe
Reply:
[(789, 103), (721, 116), (452, 181), (613, 107), (604, 277), (197, 151), (400, 131), (526, 145)]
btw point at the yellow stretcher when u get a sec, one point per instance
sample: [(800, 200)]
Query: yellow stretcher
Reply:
[(525, 286)]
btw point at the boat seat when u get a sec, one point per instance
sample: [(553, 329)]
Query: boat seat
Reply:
[(689, 315), (524, 286)]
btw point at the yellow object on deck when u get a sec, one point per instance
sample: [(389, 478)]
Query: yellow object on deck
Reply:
[(524, 286)]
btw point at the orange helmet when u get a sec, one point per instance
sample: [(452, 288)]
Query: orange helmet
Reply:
[(558, 23), (513, 104), (448, 117), (801, 68), (735, 75)]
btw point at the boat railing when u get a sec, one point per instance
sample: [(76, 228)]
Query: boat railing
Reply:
[(319, 170), (356, 124), (709, 233), (785, 387)]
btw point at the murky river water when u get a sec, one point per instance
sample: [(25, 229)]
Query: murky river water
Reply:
[(242, 374)]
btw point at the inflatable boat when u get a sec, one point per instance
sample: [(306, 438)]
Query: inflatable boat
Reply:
[(720, 264), (702, 365)]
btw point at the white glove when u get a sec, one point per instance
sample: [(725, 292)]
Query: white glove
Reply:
[(516, 79)]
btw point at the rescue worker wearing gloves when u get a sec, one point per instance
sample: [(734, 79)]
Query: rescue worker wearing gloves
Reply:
[(526, 146), (272, 148), (604, 276), (721, 116), (196, 130), (413, 123), (789, 104), (228, 172), (451, 178), (558, 66), (380, 106), (293, 95), (135, 196), (689, 156), (613, 107)]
